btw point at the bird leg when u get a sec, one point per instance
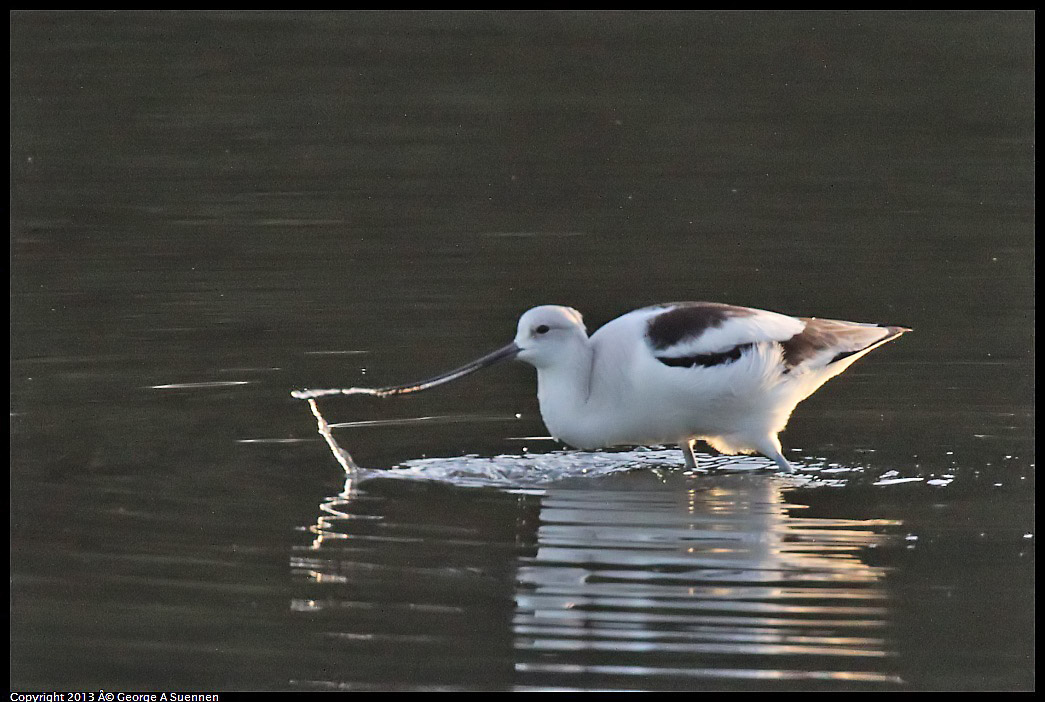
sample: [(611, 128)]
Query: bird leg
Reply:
[(689, 454), (783, 463), (771, 449)]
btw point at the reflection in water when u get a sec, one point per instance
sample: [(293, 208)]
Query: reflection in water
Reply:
[(706, 587), (624, 580), (410, 586)]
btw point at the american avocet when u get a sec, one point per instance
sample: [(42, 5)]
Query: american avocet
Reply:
[(673, 373)]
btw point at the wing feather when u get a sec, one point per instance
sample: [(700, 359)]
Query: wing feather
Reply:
[(685, 330), (824, 342)]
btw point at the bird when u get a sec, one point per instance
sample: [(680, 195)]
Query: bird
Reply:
[(673, 373)]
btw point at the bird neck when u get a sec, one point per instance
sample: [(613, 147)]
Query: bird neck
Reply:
[(564, 390)]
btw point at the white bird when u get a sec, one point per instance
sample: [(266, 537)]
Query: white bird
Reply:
[(673, 374)]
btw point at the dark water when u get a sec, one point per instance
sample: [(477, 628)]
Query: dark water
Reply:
[(209, 210)]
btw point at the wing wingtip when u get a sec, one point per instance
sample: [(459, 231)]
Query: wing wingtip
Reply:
[(894, 332)]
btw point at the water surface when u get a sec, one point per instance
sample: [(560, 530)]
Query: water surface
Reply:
[(209, 210)]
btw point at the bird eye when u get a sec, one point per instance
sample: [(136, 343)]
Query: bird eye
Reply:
[(542, 329)]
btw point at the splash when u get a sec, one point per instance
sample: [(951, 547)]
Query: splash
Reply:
[(541, 469), (533, 471)]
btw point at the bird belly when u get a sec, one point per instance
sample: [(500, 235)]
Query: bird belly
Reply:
[(731, 422), (734, 406)]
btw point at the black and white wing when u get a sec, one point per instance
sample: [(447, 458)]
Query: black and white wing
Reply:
[(705, 334)]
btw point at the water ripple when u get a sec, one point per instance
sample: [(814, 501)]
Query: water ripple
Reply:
[(733, 585), (619, 578)]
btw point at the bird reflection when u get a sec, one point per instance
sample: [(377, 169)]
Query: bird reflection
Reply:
[(716, 584)]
